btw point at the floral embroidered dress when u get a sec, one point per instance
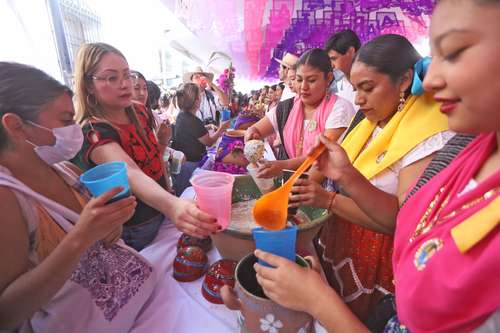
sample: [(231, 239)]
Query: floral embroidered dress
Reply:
[(143, 149), (108, 288)]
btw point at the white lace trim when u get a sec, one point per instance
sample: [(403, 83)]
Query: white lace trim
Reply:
[(427, 147), (361, 290), (387, 180)]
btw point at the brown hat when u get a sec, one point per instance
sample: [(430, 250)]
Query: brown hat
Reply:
[(187, 77), (288, 60)]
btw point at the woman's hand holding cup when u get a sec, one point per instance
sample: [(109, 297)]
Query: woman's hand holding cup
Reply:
[(287, 283), (189, 219), (99, 219)]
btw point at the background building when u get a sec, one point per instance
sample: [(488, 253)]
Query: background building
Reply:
[(74, 23)]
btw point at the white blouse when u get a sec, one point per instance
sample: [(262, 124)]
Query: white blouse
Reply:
[(387, 180), (340, 116)]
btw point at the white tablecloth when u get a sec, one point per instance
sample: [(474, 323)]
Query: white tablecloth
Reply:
[(180, 306)]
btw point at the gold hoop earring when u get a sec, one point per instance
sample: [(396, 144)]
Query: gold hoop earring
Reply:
[(402, 101), (94, 104)]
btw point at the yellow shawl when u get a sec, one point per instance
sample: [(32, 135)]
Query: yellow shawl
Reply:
[(418, 120)]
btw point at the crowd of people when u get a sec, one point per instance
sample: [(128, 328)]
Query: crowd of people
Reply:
[(410, 177)]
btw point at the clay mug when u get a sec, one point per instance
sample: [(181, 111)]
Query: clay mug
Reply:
[(259, 313)]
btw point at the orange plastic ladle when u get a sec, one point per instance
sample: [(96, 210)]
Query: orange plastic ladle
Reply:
[(270, 210)]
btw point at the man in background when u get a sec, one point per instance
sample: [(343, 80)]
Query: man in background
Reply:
[(288, 61), (211, 104), (341, 48)]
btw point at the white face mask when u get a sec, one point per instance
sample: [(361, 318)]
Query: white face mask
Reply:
[(69, 141)]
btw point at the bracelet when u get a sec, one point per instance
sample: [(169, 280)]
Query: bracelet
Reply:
[(331, 201)]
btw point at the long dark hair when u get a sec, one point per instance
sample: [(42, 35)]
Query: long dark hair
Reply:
[(318, 59), (154, 93), (152, 123), (24, 90), (390, 54)]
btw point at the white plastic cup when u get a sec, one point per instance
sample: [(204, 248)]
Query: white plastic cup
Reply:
[(264, 184), (176, 164)]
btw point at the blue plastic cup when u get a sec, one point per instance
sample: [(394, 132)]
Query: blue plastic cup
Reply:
[(280, 242), (226, 114), (105, 177)]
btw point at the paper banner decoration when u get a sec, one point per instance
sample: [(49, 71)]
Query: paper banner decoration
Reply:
[(254, 32), (280, 18), (316, 20), (253, 13)]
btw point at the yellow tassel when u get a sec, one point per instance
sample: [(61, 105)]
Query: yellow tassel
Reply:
[(472, 230)]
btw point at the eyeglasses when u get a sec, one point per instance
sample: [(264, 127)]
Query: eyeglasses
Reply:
[(115, 80)]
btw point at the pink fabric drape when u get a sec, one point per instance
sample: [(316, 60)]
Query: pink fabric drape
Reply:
[(293, 127), (452, 291), (279, 20), (253, 13)]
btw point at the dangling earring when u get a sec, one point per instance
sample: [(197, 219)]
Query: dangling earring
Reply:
[(94, 104), (402, 101)]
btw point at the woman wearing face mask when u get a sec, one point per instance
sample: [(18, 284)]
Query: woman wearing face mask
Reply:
[(314, 112), (447, 237), (59, 251), (116, 130), (390, 148)]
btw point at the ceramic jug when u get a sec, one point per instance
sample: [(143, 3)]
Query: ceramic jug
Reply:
[(259, 313)]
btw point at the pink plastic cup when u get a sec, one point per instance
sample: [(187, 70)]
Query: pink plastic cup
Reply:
[(213, 195)]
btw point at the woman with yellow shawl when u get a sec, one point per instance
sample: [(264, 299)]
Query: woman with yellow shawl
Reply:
[(389, 149)]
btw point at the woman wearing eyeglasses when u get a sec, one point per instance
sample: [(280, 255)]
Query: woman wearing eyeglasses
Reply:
[(116, 129)]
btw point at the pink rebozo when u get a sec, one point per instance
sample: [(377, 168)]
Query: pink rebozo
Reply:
[(442, 285)]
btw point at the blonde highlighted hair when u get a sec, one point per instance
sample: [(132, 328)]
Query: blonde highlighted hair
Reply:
[(87, 61)]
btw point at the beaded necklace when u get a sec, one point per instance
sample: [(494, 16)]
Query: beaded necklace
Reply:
[(424, 225)]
